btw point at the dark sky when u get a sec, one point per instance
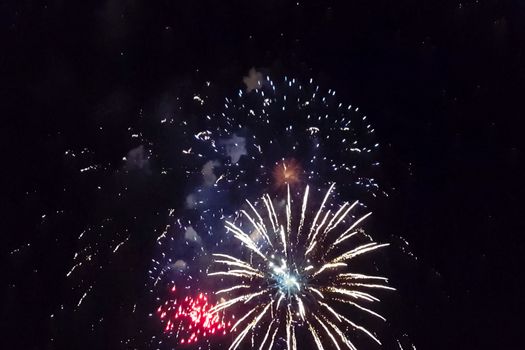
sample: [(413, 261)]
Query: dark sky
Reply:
[(443, 82)]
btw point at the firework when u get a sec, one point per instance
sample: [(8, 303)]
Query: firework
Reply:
[(189, 318), (282, 132), (287, 172), (294, 273)]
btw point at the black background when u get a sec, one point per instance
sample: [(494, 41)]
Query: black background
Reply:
[(442, 81)]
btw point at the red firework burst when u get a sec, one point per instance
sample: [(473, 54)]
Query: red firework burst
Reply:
[(190, 320)]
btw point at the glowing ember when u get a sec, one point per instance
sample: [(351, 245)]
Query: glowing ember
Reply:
[(287, 172), (190, 320)]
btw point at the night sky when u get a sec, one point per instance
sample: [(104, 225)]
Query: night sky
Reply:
[(443, 83)]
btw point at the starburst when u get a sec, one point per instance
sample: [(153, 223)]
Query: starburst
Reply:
[(293, 272)]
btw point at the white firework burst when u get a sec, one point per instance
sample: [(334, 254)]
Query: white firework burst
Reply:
[(293, 273)]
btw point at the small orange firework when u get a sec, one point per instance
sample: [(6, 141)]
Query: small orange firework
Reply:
[(287, 172)]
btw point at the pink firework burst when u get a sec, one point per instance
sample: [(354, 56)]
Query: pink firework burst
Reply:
[(189, 318)]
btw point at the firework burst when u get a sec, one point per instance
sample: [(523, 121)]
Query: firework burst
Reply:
[(294, 272), (203, 155), (189, 318), (284, 132), (287, 172)]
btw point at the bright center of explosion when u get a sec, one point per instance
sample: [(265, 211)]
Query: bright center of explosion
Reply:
[(286, 281)]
